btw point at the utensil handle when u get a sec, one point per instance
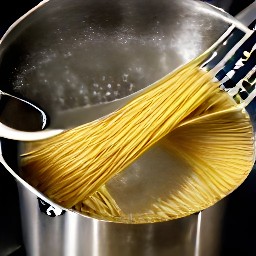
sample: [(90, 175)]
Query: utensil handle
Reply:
[(247, 16), (232, 63), (238, 74)]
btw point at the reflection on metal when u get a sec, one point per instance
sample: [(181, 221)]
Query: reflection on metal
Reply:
[(71, 234), (198, 234)]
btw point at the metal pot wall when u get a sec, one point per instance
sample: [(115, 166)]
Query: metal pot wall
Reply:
[(54, 56)]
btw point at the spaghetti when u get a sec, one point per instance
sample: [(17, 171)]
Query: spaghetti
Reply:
[(187, 113)]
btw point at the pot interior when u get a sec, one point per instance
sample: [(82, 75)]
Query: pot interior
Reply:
[(69, 58)]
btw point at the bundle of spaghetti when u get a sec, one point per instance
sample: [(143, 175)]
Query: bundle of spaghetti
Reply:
[(220, 150), (217, 145), (71, 167)]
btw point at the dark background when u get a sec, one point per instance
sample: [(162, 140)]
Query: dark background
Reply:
[(239, 220)]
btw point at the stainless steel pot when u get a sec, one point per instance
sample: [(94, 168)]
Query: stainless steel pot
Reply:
[(65, 56)]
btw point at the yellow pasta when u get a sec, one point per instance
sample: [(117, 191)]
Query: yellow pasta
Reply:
[(186, 113)]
